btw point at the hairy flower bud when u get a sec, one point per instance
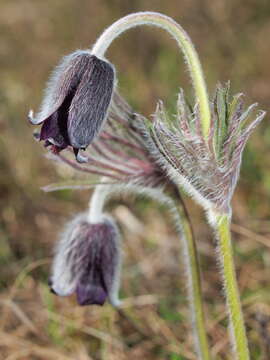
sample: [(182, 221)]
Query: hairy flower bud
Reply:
[(87, 262), (76, 101), (207, 169)]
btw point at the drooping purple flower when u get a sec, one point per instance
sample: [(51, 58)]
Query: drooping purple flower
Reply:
[(76, 101), (87, 262)]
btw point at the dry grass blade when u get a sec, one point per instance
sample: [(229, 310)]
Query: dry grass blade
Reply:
[(18, 281), (45, 353), (21, 315), (88, 330), (241, 230)]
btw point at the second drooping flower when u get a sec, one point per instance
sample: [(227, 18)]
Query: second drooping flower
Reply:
[(87, 261)]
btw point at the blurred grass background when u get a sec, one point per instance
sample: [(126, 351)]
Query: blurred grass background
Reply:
[(232, 37)]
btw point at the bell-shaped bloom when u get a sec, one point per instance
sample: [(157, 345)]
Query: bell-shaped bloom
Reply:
[(76, 102), (87, 262)]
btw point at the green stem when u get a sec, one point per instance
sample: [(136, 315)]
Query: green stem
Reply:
[(237, 327), (182, 39), (194, 281)]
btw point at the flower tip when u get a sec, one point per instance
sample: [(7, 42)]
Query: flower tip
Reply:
[(50, 284), (60, 290), (79, 157), (36, 135), (90, 295), (116, 302), (30, 117)]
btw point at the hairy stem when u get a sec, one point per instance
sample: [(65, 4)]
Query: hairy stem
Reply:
[(184, 42), (104, 192), (194, 280), (225, 250)]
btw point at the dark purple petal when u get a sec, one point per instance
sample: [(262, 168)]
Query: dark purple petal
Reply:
[(64, 80), (91, 294), (90, 287), (54, 127), (89, 106), (99, 261), (51, 132), (109, 260)]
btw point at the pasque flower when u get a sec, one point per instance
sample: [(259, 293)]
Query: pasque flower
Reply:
[(199, 149), (87, 261), (76, 102)]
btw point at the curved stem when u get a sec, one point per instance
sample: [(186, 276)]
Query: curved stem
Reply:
[(184, 42), (225, 250), (97, 202), (103, 193)]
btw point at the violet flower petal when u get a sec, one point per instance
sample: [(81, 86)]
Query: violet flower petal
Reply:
[(54, 127), (90, 104), (64, 80), (90, 290)]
